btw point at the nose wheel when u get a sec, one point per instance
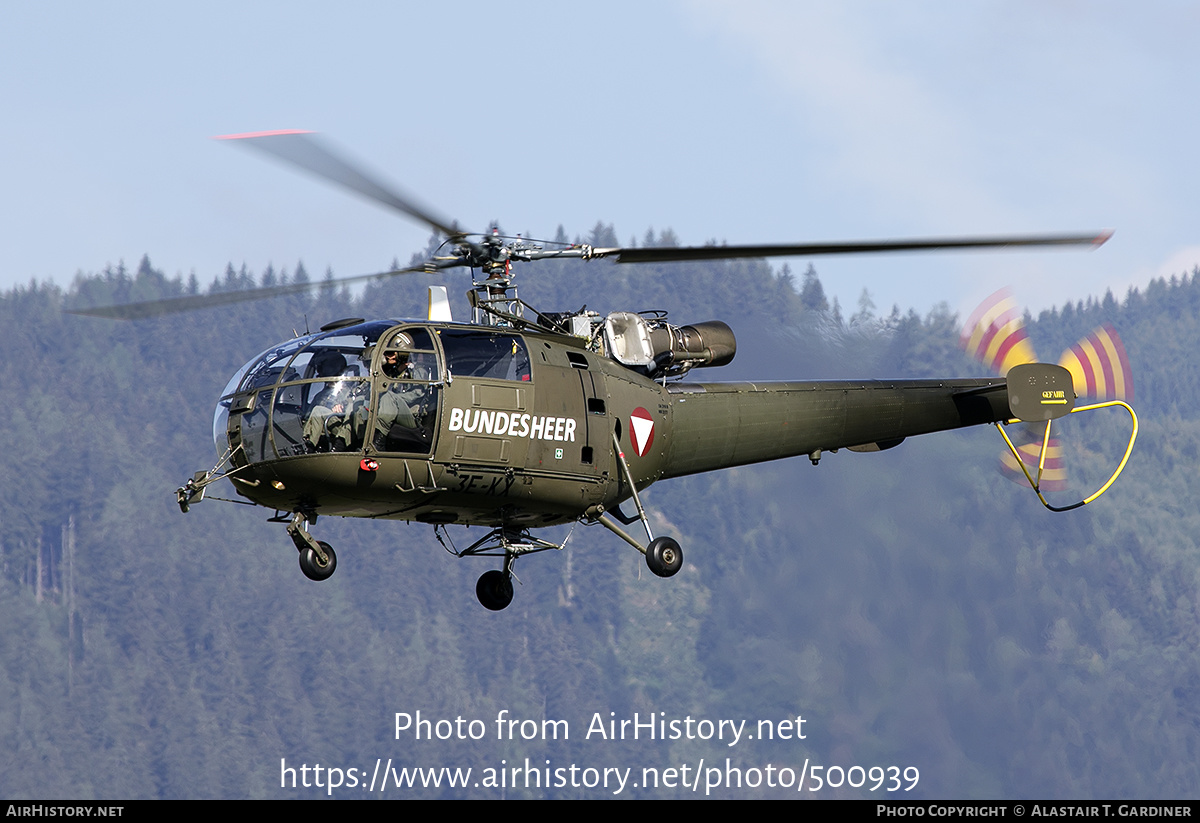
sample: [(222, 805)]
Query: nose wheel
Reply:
[(317, 558), (313, 566)]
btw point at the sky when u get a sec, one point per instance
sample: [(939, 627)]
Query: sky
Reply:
[(750, 122)]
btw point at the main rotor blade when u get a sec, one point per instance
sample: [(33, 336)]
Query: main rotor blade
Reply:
[(304, 149), (171, 305), (684, 253)]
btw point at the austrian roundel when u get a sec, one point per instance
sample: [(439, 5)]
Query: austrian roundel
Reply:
[(641, 430)]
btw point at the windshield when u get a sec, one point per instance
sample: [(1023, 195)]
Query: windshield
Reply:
[(294, 378), (359, 388)]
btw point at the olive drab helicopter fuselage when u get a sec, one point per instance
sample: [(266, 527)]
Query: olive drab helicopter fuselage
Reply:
[(523, 419), (519, 430)]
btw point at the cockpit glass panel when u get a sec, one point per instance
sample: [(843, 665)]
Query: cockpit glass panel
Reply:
[(305, 395), (406, 417), (323, 396), (255, 428), (493, 355), (408, 393), (265, 369)]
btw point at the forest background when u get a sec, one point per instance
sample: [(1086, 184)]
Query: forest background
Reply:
[(916, 608)]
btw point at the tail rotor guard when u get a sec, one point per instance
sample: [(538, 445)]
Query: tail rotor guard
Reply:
[(1044, 392)]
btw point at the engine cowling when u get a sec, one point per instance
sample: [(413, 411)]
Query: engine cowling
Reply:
[(655, 347)]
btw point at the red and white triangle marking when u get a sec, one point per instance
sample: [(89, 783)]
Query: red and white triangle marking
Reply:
[(641, 430)]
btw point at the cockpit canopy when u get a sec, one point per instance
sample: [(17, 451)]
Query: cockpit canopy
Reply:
[(370, 386)]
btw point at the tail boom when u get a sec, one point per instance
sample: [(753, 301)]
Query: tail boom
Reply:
[(720, 425)]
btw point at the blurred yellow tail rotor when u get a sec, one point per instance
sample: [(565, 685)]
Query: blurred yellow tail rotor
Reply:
[(995, 336), (1099, 366)]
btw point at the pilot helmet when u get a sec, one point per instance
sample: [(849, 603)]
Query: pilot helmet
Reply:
[(400, 346), (327, 363)]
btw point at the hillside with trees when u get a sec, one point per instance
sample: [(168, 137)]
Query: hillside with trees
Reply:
[(914, 606)]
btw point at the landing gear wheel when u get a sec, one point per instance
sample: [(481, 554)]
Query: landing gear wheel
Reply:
[(494, 590), (664, 556), (311, 564)]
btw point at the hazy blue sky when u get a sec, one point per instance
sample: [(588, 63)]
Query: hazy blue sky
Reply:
[(749, 122)]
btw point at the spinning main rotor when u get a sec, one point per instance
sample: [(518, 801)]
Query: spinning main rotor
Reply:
[(493, 254)]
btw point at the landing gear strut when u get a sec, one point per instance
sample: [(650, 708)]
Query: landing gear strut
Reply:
[(664, 555), (317, 558), (494, 588)]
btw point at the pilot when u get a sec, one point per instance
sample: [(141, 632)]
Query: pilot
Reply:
[(328, 425), (399, 397)]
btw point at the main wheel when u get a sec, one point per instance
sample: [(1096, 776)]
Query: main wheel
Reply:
[(664, 556), (312, 566), (494, 590)]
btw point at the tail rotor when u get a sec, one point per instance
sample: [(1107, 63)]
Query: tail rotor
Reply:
[(995, 335)]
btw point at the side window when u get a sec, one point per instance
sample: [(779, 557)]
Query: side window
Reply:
[(315, 410), (406, 402), (409, 355), (493, 355)]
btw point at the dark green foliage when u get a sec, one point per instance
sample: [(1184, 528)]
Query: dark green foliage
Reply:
[(812, 294), (915, 607)]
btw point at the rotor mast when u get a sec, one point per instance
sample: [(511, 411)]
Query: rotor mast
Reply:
[(494, 298)]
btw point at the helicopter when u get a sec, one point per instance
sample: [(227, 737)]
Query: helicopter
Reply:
[(522, 419)]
